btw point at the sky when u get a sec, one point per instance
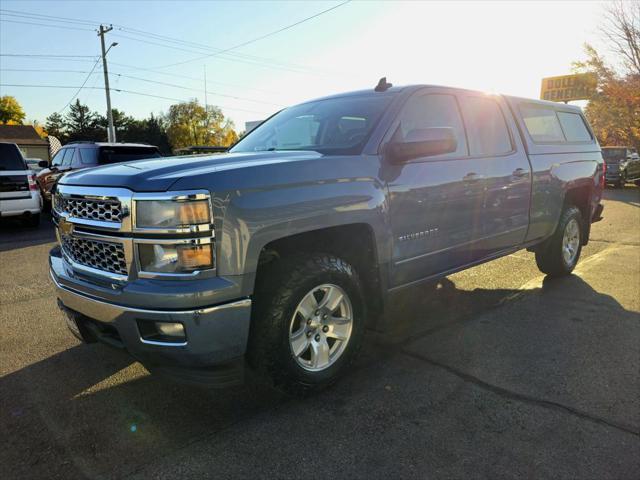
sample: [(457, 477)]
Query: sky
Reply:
[(504, 47)]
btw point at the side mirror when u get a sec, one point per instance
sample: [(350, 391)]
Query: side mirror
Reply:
[(425, 142), (43, 164)]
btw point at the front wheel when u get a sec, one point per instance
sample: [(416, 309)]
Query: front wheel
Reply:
[(308, 322), (559, 255)]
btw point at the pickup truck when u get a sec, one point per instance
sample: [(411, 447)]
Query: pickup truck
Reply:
[(278, 254)]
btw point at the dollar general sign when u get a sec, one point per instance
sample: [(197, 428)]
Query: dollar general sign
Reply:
[(581, 86)]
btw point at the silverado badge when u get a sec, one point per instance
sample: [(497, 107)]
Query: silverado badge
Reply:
[(66, 228)]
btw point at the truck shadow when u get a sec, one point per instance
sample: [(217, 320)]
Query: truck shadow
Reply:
[(15, 234), (90, 404)]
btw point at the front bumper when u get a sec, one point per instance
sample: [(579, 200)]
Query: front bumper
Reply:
[(216, 336)]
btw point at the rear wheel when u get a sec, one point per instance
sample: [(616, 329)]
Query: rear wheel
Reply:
[(308, 322), (559, 255)]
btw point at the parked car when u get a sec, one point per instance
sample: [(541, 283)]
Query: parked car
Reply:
[(35, 164), (19, 194), (283, 250), (622, 165), (81, 155)]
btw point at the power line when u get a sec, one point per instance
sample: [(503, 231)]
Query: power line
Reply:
[(266, 62), (233, 59), (64, 27), (262, 37), (120, 90), (45, 70), (44, 55), (81, 86), (22, 14), (235, 97)]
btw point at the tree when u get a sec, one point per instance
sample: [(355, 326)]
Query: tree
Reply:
[(83, 124), (189, 123), (621, 30), (614, 111), (55, 125), (10, 111)]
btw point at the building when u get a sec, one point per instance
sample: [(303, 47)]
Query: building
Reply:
[(27, 139)]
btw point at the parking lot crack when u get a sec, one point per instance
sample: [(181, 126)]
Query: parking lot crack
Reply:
[(503, 392)]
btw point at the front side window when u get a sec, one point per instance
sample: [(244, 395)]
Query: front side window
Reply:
[(542, 124), (57, 159), (68, 157), (336, 126), (486, 127), (433, 111), (574, 128)]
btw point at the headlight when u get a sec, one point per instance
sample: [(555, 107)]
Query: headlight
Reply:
[(171, 214), (175, 258)]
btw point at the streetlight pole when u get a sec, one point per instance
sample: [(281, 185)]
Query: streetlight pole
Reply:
[(111, 131)]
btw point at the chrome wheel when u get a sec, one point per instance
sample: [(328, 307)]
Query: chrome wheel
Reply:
[(321, 327), (571, 242)]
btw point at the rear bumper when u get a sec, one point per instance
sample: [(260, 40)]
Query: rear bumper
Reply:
[(20, 206), (216, 336)]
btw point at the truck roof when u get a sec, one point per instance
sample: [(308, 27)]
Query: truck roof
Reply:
[(397, 89), (110, 144)]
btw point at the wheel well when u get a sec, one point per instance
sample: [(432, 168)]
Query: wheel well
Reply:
[(580, 197), (355, 243)]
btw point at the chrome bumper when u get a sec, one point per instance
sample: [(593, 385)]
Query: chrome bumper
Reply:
[(215, 334)]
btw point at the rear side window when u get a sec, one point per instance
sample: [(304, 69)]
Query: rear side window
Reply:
[(125, 154), (432, 111), (88, 156), (574, 128), (11, 158), (486, 127), (542, 124)]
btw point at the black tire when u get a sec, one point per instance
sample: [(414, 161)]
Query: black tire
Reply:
[(637, 182), (33, 220), (621, 182), (549, 256), (278, 293)]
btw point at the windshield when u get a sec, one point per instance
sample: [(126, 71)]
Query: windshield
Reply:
[(337, 126), (126, 154), (10, 157), (613, 153)]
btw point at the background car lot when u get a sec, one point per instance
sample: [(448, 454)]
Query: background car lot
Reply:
[(494, 372)]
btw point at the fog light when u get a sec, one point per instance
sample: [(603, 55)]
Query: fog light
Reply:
[(162, 332), (170, 329)]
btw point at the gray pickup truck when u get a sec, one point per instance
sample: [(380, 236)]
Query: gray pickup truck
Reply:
[(278, 254)]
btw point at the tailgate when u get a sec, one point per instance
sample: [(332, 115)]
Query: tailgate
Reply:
[(14, 185)]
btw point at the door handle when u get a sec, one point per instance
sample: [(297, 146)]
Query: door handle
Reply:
[(519, 172)]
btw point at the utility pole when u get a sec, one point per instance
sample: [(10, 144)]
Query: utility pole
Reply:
[(111, 131)]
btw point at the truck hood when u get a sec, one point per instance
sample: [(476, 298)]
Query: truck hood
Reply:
[(156, 175)]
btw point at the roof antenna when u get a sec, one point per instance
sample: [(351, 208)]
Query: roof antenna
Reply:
[(383, 86)]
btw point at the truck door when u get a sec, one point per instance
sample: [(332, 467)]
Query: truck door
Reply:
[(435, 202), (494, 142)]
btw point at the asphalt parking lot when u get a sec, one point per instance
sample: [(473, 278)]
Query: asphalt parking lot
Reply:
[(495, 372)]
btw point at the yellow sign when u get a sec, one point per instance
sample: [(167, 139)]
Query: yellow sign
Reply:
[(581, 86)]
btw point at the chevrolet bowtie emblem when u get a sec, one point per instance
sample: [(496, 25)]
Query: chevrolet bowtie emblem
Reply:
[(65, 227)]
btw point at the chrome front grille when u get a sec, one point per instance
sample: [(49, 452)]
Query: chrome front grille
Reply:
[(104, 210), (101, 255)]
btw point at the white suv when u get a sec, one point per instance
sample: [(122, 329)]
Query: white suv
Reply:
[(19, 193)]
